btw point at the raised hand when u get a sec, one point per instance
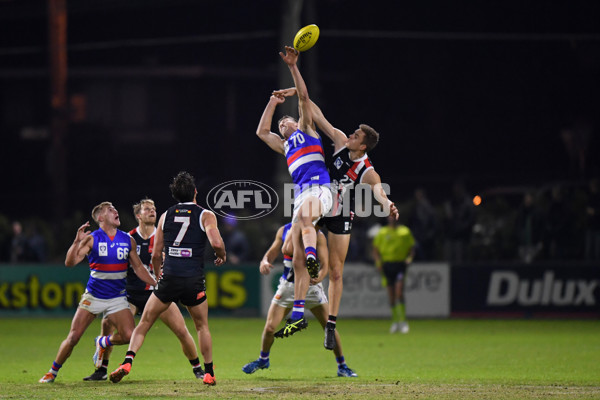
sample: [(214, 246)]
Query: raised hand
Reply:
[(81, 232), (290, 57), (285, 92), (277, 99)]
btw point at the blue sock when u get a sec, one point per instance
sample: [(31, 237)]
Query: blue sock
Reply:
[(298, 310), (310, 252), (341, 361), (264, 356)]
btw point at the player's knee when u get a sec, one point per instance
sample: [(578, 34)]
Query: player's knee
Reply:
[(335, 275), (73, 338), (307, 213), (126, 335), (201, 326), (270, 329), (181, 332), (305, 220)]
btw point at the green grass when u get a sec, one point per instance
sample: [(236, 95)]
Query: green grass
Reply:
[(438, 359)]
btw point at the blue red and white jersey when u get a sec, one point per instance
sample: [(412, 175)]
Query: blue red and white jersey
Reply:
[(306, 161), (287, 260), (108, 260)]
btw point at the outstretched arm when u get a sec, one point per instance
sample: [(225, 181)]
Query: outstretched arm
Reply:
[(266, 264), (273, 140), (81, 246), (138, 266), (159, 246), (372, 178), (305, 120), (338, 137)]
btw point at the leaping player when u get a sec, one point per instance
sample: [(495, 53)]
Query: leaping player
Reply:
[(301, 145), (350, 166)]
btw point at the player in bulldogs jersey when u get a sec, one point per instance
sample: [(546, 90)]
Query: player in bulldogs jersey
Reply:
[(349, 167), (283, 300), (183, 232), (109, 250), (138, 293), (301, 145)]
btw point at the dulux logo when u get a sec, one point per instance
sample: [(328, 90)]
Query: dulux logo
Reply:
[(229, 198), (506, 288)]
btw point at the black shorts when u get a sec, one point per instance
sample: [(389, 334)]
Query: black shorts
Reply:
[(191, 291), (340, 225), (138, 298), (394, 271)]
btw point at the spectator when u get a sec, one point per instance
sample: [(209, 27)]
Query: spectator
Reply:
[(557, 225), (36, 244), (18, 244), (528, 229), (236, 242), (423, 223), (460, 216)]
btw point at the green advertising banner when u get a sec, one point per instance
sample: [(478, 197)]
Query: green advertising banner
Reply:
[(55, 290)]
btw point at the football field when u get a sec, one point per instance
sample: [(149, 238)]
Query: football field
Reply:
[(438, 359)]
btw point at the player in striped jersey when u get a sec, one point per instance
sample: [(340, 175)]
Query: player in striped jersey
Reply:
[(138, 293), (349, 167), (316, 301), (109, 250), (303, 150)]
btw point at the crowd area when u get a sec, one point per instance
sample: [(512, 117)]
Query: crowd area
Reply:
[(550, 222)]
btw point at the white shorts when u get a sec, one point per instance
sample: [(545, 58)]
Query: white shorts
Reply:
[(321, 192), (284, 297), (104, 306)]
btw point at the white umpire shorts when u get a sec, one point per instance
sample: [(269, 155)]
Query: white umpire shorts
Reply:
[(284, 297), (104, 306), (321, 192)]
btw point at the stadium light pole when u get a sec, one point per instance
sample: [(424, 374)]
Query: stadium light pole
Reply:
[(57, 34), (290, 18)]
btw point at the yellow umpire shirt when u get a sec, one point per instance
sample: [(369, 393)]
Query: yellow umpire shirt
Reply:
[(394, 244)]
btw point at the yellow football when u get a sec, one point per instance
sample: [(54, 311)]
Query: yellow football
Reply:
[(306, 37)]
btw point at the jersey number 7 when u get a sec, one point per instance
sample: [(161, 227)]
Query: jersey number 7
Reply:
[(185, 221)]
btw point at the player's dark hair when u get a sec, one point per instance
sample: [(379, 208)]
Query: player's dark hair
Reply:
[(183, 188), (371, 137), (286, 117)]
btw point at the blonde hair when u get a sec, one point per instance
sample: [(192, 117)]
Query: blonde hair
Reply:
[(137, 207), (96, 211)]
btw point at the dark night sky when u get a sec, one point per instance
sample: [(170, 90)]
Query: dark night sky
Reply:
[(489, 108)]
